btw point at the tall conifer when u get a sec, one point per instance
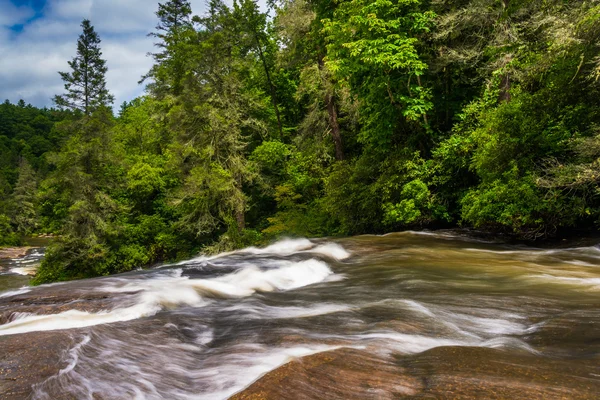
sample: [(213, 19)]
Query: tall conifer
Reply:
[(174, 25), (24, 216), (86, 84)]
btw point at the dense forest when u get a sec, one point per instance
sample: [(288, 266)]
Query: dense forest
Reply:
[(316, 118)]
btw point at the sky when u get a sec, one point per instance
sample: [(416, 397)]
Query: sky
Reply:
[(39, 37)]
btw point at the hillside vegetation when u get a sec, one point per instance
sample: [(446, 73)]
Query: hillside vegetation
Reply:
[(314, 118)]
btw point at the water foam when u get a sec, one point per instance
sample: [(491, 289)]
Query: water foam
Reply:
[(282, 247), (181, 375), (261, 311), (462, 321), (71, 319), (173, 290), (587, 282), (15, 292), (250, 280), (27, 270), (285, 247), (290, 246), (331, 250)]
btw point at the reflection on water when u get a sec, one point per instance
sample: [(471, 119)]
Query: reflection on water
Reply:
[(424, 312)]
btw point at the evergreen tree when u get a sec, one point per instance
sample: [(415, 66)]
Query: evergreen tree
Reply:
[(173, 15), (24, 216), (213, 126), (173, 27), (86, 84)]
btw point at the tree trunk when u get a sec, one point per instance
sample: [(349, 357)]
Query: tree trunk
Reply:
[(333, 119), (447, 78), (239, 212), (505, 89), (335, 127), (241, 220), (271, 86)]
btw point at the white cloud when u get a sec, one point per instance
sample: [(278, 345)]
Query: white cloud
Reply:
[(126, 62), (117, 16), (68, 9), (30, 60), (13, 15)]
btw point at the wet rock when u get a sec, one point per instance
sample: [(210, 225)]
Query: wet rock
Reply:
[(477, 372), (440, 373), (30, 359), (571, 333), (14, 252), (339, 374)]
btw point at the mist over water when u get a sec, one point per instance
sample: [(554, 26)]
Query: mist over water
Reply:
[(209, 327)]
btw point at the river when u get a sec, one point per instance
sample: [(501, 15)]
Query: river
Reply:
[(405, 315), (16, 272)]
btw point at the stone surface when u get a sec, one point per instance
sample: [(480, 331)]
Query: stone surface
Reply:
[(338, 374), (14, 252), (31, 358), (440, 373)]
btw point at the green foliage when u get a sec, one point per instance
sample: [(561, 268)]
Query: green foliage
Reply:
[(7, 236), (295, 217), (352, 197), (516, 204), (145, 181), (418, 206), (375, 45), (24, 200), (271, 157), (86, 83), (332, 118), (173, 32)]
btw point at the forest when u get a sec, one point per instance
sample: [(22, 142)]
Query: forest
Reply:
[(313, 118)]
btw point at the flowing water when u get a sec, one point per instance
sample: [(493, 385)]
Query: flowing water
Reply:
[(14, 273), (408, 315)]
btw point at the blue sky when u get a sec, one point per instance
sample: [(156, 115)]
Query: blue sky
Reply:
[(38, 37), (35, 10)]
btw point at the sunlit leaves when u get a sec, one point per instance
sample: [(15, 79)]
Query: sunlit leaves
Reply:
[(375, 46)]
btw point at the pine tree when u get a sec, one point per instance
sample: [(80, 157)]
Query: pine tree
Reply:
[(86, 84), (174, 25), (173, 15), (24, 216)]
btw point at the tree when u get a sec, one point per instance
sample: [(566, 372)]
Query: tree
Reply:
[(77, 195), (253, 25), (24, 199), (172, 30), (375, 46), (86, 84), (299, 27)]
